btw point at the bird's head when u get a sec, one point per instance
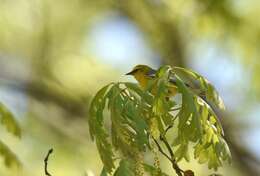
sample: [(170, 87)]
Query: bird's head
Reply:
[(142, 70), (142, 73)]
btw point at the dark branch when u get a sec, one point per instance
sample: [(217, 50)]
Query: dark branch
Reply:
[(46, 162), (177, 169), (167, 129), (171, 158), (161, 150)]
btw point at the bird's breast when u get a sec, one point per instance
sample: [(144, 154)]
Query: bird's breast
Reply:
[(141, 80)]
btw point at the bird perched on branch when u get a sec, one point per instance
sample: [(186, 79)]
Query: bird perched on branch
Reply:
[(144, 74)]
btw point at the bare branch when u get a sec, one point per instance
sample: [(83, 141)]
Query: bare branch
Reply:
[(171, 158), (177, 169), (46, 162), (161, 150)]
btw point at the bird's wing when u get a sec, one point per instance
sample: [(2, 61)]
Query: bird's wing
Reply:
[(200, 86), (173, 81)]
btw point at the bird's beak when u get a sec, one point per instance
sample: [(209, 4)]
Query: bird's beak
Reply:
[(151, 73), (131, 72)]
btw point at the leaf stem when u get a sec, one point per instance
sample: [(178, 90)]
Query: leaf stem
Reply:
[(46, 162)]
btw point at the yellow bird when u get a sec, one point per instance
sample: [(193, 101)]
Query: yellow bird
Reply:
[(143, 74)]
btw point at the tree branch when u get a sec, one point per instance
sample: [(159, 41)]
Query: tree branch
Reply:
[(177, 169), (171, 158), (46, 162), (161, 150)]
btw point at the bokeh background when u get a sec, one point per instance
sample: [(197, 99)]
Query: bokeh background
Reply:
[(54, 55)]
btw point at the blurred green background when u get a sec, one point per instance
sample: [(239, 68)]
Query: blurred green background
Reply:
[(54, 55)]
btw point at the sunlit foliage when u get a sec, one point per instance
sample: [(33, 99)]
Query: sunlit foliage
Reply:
[(139, 120), (8, 120)]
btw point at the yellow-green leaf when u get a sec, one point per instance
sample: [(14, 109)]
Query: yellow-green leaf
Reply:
[(8, 120)]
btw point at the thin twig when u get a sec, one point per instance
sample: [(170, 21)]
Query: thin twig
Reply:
[(161, 150), (162, 138), (175, 118), (177, 169), (167, 129), (175, 109), (46, 162), (171, 158)]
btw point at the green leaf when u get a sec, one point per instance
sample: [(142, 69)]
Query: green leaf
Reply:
[(125, 168), (114, 136), (103, 172), (189, 117), (135, 88), (153, 171), (96, 110), (10, 159), (225, 150), (202, 85), (8, 120), (203, 157), (176, 141), (97, 130), (105, 150), (182, 152), (137, 123), (136, 114)]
